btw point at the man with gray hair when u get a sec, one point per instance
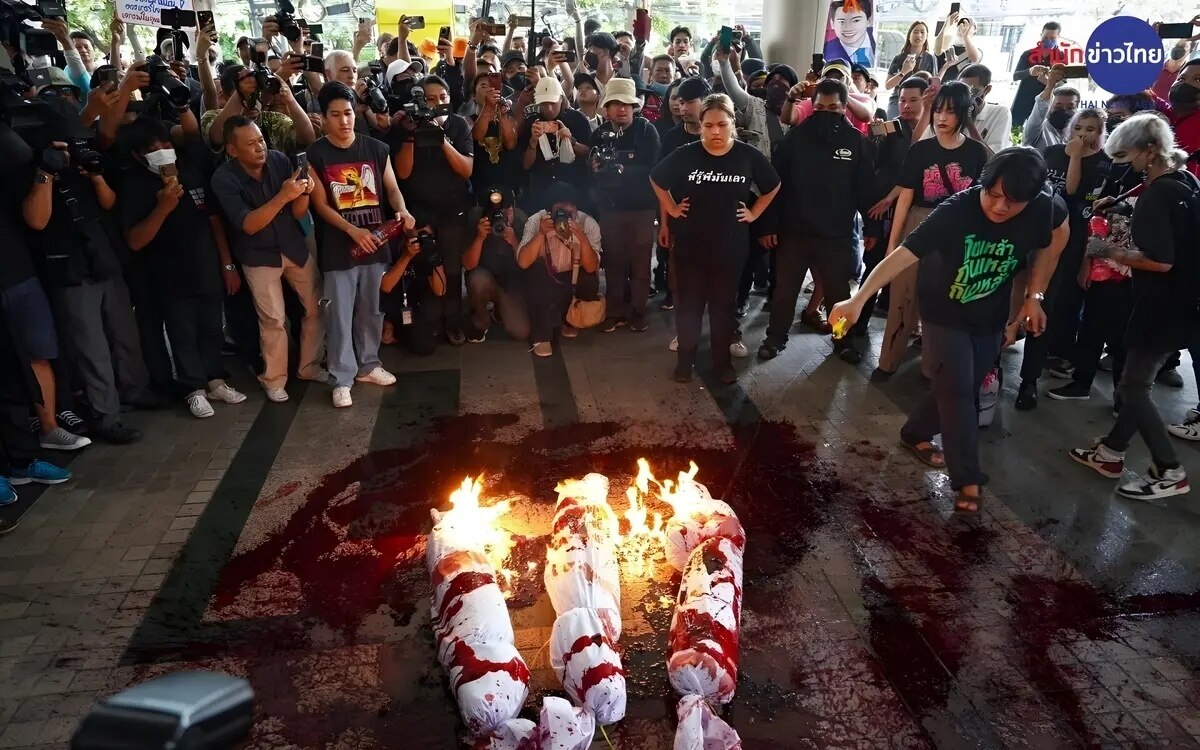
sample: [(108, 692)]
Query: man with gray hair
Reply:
[(1052, 110)]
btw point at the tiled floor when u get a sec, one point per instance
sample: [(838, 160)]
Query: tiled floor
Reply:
[(283, 543)]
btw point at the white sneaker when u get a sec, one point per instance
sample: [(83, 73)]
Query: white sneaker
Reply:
[(1190, 429), (341, 397), (737, 349), (226, 394), (674, 345), (542, 349), (1157, 484), (198, 405), (378, 376), (278, 395)]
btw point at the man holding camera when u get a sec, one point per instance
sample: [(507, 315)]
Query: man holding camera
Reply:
[(355, 177), (168, 221), (410, 289), (64, 207), (490, 263), (554, 143), (626, 150), (560, 258), (243, 90), (1052, 109), (435, 154), (263, 200), (817, 217)]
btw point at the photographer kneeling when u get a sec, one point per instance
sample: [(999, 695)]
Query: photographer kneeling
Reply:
[(490, 263), (435, 154), (625, 150), (410, 289), (560, 257)]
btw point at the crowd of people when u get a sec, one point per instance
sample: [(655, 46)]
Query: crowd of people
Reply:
[(173, 208)]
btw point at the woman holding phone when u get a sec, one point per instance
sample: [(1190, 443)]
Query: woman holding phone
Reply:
[(913, 57), (705, 190)]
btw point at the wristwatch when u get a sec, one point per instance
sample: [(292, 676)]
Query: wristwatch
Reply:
[(1039, 296), (229, 267), (42, 178)]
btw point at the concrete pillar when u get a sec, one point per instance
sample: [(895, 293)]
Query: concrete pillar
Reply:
[(793, 30)]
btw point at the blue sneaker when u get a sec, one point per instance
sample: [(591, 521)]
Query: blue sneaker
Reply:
[(8, 495), (40, 472)]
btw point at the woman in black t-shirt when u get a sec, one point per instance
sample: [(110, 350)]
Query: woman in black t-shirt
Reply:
[(1165, 318), (705, 188), (495, 135), (934, 169), (913, 57)]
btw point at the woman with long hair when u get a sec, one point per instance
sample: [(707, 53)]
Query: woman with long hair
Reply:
[(934, 169), (1165, 316), (704, 189), (914, 56)]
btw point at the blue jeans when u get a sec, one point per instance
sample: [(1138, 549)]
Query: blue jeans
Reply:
[(355, 322), (957, 362)]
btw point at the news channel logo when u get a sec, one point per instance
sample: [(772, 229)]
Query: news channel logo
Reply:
[(1124, 55)]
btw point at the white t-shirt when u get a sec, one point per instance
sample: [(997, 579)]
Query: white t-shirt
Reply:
[(994, 124)]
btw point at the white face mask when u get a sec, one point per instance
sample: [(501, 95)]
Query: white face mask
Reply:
[(156, 160)]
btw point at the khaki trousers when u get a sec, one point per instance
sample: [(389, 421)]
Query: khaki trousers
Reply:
[(266, 286)]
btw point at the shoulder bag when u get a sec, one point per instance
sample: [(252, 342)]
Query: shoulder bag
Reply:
[(583, 313)]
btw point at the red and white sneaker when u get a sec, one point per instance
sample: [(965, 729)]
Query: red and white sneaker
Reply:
[(1157, 484), (1106, 462)]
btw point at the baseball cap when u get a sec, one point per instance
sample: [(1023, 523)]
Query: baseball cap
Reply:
[(511, 57), (585, 77), (396, 68), (838, 65), (693, 88), (548, 91)]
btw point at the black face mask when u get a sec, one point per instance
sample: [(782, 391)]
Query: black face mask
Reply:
[(519, 82), (828, 124), (1183, 93), (776, 96), (1111, 124), (592, 61), (1059, 118)]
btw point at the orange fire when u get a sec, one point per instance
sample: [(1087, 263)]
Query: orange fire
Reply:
[(469, 525), (645, 541)]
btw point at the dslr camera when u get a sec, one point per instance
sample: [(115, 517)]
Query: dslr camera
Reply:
[(562, 223), (497, 201), (374, 98), (429, 252), (164, 89), (285, 16), (428, 134), (604, 157), (32, 41)]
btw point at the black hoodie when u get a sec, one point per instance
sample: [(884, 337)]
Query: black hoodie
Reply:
[(824, 181)]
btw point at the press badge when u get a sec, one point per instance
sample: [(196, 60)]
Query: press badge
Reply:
[(406, 313)]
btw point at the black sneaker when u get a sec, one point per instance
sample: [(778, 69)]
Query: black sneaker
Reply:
[(119, 434), (637, 324), (769, 351), (1026, 397), (1060, 368), (668, 301), (740, 311), (475, 335), (35, 425), (1170, 378), (454, 334), (612, 324), (1071, 392), (653, 291), (71, 422)]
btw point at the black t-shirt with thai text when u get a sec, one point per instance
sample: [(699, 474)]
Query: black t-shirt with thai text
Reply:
[(968, 262), (928, 166), (711, 234), (182, 259), (353, 182)]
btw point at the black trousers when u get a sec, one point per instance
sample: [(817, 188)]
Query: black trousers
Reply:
[(831, 259), (18, 445), (1063, 317), (194, 329), (420, 336), (754, 268), (699, 287), (453, 236), (548, 295), (1106, 310), (1037, 348)]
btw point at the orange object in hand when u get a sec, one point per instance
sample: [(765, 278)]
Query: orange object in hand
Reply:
[(460, 48), (428, 48)]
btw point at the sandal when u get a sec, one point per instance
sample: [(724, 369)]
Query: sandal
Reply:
[(964, 503), (929, 455)]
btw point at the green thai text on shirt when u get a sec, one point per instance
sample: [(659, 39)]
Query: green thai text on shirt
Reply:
[(986, 266)]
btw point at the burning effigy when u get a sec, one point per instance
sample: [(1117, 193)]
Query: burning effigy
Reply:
[(702, 539)]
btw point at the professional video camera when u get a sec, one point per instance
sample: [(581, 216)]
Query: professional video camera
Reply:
[(264, 80), (603, 157), (165, 90), (374, 98), (496, 200), (286, 17), (428, 133), (429, 253), (34, 42)]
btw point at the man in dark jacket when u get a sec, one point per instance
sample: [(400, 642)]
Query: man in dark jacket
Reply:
[(817, 215), (1047, 53)]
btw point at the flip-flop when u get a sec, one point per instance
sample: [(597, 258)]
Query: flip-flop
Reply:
[(925, 455), (964, 503)]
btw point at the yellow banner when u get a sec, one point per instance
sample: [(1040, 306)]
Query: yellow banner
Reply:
[(437, 15)]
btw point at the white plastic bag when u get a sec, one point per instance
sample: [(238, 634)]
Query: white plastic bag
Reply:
[(583, 653), (490, 681), (561, 726), (700, 729), (704, 518)]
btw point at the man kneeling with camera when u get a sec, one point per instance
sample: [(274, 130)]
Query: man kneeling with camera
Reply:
[(560, 257), (491, 265), (411, 289)]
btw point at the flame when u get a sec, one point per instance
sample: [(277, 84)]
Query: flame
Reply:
[(473, 526), (644, 541)]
